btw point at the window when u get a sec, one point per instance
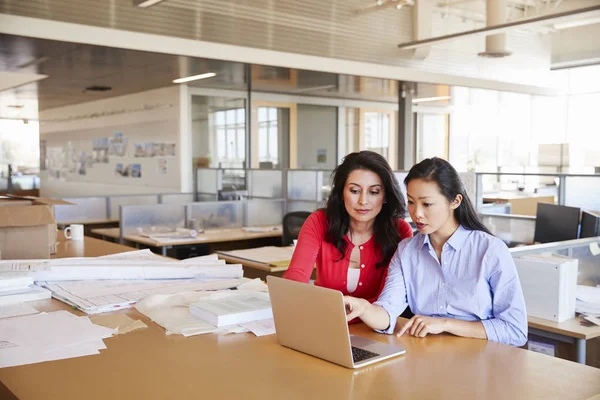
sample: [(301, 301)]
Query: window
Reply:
[(377, 132), (230, 136), (267, 135)]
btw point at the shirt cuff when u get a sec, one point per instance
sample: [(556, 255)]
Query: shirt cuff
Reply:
[(392, 324), (490, 330)]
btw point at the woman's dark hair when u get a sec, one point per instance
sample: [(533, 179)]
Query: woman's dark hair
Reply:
[(385, 228), (443, 173)]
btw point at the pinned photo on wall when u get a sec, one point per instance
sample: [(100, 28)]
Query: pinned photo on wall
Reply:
[(163, 167), (321, 156), (149, 149), (122, 170), (136, 170), (140, 150), (169, 149), (159, 149)]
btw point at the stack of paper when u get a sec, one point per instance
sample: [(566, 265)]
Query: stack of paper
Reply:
[(240, 309), (49, 336), (588, 300), (172, 313), (93, 297), (17, 287)]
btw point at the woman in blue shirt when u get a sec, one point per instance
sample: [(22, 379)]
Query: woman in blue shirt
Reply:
[(455, 276)]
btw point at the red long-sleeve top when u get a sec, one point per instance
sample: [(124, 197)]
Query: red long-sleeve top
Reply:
[(312, 249)]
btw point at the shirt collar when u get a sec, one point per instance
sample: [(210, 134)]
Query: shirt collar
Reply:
[(457, 240)]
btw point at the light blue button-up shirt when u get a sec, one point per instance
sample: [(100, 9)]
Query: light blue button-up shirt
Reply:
[(476, 281)]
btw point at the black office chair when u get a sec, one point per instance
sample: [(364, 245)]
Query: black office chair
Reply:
[(292, 222)]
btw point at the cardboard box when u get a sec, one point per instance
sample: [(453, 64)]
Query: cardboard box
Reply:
[(27, 227)]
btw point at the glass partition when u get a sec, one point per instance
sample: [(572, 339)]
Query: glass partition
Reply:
[(83, 209), (514, 230), (265, 183), (176, 198), (214, 215), (583, 192), (264, 212), (206, 180), (587, 251), (144, 219), (117, 201)]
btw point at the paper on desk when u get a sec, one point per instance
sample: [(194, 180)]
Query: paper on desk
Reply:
[(16, 310), (121, 322), (588, 294), (172, 312), (255, 285), (261, 328), (94, 297), (145, 254), (49, 336), (24, 265)]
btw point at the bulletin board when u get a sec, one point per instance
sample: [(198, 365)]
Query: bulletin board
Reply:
[(140, 154)]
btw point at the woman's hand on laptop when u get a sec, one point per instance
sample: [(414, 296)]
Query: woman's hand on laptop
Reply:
[(355, 307), (420, 326)]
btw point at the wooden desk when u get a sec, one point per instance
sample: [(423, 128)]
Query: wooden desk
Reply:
[(521, 204), (226, 237), (147, 364), (568, 331), (90, 225), (88, 247), (257, 262)]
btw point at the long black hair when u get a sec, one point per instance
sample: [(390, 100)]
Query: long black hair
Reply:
[(385, 228), (443, 173)]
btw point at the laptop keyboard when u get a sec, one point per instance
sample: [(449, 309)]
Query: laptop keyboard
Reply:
[(359, 355)]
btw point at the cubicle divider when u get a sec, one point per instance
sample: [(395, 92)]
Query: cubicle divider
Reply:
[(574, 190), (586, 250), (154, 218), (512, 229), (212, 215), (94, 208), (106, 208)]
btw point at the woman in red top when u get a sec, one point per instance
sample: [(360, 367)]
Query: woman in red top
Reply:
[(352, 240)]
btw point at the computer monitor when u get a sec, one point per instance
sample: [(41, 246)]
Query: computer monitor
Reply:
[(556, 223), (590, 225)]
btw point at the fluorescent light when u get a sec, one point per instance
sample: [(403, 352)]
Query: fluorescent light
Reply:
[(577, 22), (145, 3), (195, 77), (426, 99)]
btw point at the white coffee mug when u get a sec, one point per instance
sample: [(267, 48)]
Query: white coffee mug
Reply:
[(74, 232)]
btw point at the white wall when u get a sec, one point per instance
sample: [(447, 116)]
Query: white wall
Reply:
[(146, 117), (317, 131)]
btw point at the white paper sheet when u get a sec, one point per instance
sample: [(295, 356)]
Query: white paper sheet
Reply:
[(94, 297), (261, 328), (16, 310), (49, 336), (172, 312)]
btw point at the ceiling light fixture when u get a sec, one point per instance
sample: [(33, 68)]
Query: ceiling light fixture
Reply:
[(427, 99), (195, 77), (145, 3)]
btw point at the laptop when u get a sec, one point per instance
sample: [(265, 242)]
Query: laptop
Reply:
[(312, 319)]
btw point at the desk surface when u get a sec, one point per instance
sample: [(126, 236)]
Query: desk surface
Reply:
[(209, 236), (260, 257), (108, 232), (88, 247), (570, 328), (150, 365)]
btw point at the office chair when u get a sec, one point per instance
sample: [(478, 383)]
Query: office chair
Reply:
[(292, 222)]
